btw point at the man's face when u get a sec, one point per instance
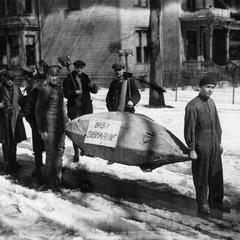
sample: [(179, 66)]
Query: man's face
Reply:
[(8, 82), (78, 70), (207, 90), (53, 80), (118, 72)]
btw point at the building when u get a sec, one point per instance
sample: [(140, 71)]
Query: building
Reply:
[(195, 34), (199, 34), (90, 30)]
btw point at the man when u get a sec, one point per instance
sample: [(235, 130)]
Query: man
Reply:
[(113, 99), (34, 83), (12, 130), (77, 88), (51, 119), (203, 133)]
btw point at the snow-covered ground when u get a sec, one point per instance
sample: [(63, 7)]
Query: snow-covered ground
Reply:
[(128, 203)]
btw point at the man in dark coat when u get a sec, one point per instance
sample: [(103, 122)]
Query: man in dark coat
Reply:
[(203, 133), (114, 93), (12, 130), (77, 88), (34, 84), (51, 119)]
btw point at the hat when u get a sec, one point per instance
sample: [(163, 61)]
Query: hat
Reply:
[(206, 80), (9, 75), (54, 70), (27, 71), (79, 64), (3, 70), (39, 76), (118, 66)]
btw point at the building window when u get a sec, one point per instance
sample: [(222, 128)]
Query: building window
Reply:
[(3, 50), (141, 3), (191, 5), (12, 7), (191, 45), (223, 4), (28, 4), (73, 5), (14, 50), (2, 8), (30, 49), (142, 53)]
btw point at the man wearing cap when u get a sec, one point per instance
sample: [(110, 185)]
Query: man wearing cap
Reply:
[(34, 84), (12, 130), (77, 88), (202, 132), (113, 98), (51, 119)]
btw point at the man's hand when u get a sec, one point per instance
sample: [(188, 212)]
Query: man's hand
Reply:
[(1, 105), (193, 154), (130, 104), (44, 136), (221, 148), (78, 92)]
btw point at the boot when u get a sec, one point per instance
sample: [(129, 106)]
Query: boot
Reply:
[(75, 158), (204, 209)]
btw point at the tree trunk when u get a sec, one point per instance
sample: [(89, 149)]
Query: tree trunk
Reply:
[(155, 98)]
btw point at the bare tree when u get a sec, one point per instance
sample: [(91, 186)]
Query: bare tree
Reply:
[(156, 98)]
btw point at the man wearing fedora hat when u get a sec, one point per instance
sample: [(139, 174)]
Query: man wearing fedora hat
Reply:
[(203, 134), (51, 119), (77, 88), (114, 93), (12, 130), (34, 84)]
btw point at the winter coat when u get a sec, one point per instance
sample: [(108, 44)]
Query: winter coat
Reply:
[(114, 93), (10, 116), (50, 113), (78, 105)]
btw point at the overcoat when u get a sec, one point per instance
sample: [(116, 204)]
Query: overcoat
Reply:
[(10, 116), (78, 105), (114, 93)]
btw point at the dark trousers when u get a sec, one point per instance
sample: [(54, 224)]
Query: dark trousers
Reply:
[(54, 146), (10, 152), (208, 179), (38, 146), (10, 149)]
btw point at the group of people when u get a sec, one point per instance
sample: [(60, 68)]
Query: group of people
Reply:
[(43, 107)]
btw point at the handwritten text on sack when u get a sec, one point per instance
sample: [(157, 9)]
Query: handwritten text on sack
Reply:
[(103, 132)]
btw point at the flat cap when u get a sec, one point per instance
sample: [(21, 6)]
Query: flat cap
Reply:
[(79, 64), (118, 66), (54, 70), (27, 71), (39, 76), (3, 69), (9, 75), (206, 80)]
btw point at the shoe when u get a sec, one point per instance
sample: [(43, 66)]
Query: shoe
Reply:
[(76, 158), (146, 168), (221, 207), (55, 187), (86, 186), (204, 209)]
